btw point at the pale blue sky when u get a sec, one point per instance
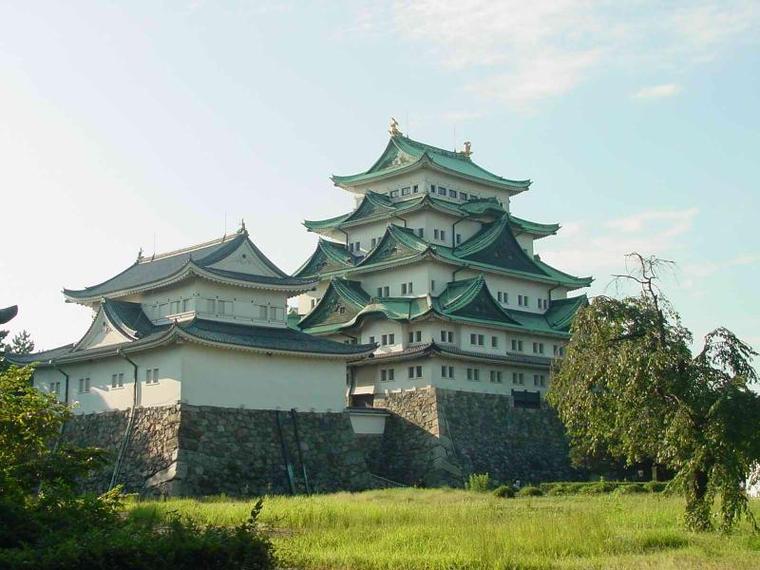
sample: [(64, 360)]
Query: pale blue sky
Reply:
[(120, 122)]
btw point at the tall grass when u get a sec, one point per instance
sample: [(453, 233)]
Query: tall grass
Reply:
[(444, 528)]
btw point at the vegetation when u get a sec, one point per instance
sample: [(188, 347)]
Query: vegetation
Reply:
[(435, 529), (46, 524), (629, 386), (479, 482), (21, 343), (504, 492)]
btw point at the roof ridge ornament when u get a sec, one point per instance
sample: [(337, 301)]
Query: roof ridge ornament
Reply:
[(242, 229), (140, 255), (393, 130), (467, 152)]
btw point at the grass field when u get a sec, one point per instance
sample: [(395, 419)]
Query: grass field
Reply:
[(436, 529)]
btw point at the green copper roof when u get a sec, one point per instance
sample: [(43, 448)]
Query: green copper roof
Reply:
[(397, 244), (147, 271), (345, 304), (403, 153), (533, 228), (376, 206), (327, 258)]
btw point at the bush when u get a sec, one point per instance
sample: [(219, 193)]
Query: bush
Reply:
[(630, 489), (531, 491), (504, 492), (179, 544), (656, 486), (599, 488), (479, 482)]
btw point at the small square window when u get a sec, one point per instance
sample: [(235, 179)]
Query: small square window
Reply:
[(441, 191), (452, 193), (494, 342), (372, 340)]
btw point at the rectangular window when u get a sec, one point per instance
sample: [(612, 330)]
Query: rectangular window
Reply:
[(358, 246), (391, 338), (540, 347), (421, 232), (514, 344), (506, 298), (469, 373), (436, 233), (224, 307), (372, 340), (451, 371), (387, 375), (451, 336), (476, 374), (459, 239), (473, 338), (148, 375), (415, 372), (418, 336), (155, 375), (373, 243), (432, 284), (418, 369), (394, 193), (535, 348), (384, 340), (452, 193), (498, 296), (517, 378), (386, 291), (379, 291), (443, 336), (495, 376), (562, 351), (410, 287), (174, 307), (443, 235), (525, 300), (406, 191), (444, 372), (441, 191), (463, 195), (481, 340), (403, 288), (415, 189), (432, 188), (494, 342), (114, 380), (411, 336), (263, 312)]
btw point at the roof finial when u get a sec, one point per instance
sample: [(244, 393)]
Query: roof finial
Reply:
[(140, 255), (467, 149), (242, 226), (393, 130)]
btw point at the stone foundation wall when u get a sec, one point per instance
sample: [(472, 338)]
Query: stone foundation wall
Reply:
[(440, 437), (191, 450)]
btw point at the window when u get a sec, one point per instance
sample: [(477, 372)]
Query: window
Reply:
[(432, 284), (55, 388), (495, 376), (415, 336), (357, 246), (538, 348), (351, 247), (211, 306), (517, 378), (459, 239), (473, 374), (539, 380), (406, 191), (505, 297), (151, 376), (163, 309), (373, 242), (477, 339), (117, 380), (372, 340), (84, 385), (452, 193), (432, 188), (263, 312), (406, 288), (447, 336), (517, 345), (391, 338), (498, 296), (436, 233), (441, 191), (387, 374), (224, 307), (481, 340), (386, 291), (421, 232), (562, 351), (174, 307), (463, 195), (313, 303), (415, 372), (447, 372), (384, 340), (415, 189), (394, 193), (494, 342), (443, 235), (554, 349), (525, 300), (185, 305)]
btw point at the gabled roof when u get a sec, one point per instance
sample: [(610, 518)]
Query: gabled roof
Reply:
[(219, 334), (493, 249), (397, 244), (404, 154), (495, 244), (345, 304), (159, 270), (374, 207), (329, 256)]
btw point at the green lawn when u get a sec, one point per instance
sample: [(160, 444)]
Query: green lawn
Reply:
[(444, 528)]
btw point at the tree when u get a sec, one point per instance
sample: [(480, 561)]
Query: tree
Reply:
[(630, 386), (22, 343)]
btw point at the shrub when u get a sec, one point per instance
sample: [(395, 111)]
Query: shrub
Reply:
[(479, 482), (630, 489), (656, 486), (598, 488), (531, 491), (504, 492)]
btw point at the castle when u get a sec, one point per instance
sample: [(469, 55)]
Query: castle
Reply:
[(420, 351)]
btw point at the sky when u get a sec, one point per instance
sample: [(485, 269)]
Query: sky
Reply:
[(156, 125)]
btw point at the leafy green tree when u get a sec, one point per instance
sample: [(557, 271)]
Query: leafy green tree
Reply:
[(630, 386), (22, 343)]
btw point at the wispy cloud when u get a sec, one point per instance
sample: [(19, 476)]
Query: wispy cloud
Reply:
[(658, 91), (527, 52)]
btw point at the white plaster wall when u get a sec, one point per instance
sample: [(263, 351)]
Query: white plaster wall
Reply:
[(303, 301), (416, 273), (102, 396), (230, 378), (379, 327), (368, 376), (101, 334), (245, 302)]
